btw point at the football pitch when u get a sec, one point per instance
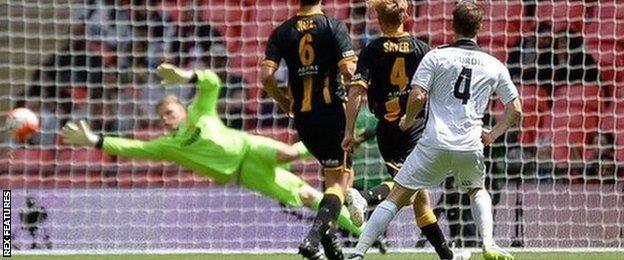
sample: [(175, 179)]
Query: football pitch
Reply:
[(392, 256)]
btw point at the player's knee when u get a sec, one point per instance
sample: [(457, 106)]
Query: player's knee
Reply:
[(421, 197), (421, 202), (422, 208)]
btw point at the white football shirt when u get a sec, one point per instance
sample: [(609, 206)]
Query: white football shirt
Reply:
[(459, 79)]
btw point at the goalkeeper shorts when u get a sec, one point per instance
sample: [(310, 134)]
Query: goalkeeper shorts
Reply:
[(427, 167), (261, 173)]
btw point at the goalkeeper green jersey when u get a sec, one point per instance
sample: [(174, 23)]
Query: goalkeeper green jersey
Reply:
[(202, 143)]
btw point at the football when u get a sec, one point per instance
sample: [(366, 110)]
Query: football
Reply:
[(23, 123)]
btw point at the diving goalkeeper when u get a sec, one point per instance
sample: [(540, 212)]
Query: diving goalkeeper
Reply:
[(199, 141)]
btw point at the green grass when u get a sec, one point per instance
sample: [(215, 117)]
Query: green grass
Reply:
[(397, 256)]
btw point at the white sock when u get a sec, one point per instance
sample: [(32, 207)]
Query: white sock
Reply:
[(481, 207), (376, 225)]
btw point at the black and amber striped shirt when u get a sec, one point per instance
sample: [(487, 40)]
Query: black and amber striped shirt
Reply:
[(313, 45), (385, 68)]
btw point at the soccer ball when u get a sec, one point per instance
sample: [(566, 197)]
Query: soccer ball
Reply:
[(22, 123)]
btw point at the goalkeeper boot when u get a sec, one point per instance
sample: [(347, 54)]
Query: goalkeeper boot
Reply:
[(310, 251), (496, 253), (356, 204), (331, 246), (355, 256), (382, 244)]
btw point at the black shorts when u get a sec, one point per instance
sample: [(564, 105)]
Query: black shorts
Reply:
[(395, 144), (322, 133)]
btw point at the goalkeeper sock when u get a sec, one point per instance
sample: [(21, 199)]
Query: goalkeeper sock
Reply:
[(428, 224), (344, 219), (481, 207), (329, 209), (377, 225), (302, 151), (377, 194)]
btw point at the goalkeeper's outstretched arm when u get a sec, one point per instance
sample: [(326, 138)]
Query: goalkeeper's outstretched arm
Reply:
[(80, 135), (205, 103)]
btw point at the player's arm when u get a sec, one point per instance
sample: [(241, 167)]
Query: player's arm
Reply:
[(269, 83), (273, 56), (80, 135), (421, 83), (356, 92), (131, 148), (347, 64), (351, 112), (508, 94), (206, 81), (415, 103)]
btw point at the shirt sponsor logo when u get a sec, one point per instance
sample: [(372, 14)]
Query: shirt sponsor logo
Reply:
[(348, 53), (308, 70), (398, 93), (331, 163)]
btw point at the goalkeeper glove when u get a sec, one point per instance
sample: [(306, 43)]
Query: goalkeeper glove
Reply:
[(170, 74), (80, 135)]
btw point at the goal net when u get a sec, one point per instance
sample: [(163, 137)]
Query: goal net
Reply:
[(556, 181)]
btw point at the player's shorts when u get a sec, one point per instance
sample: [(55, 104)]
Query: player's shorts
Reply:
[(427, 167), (322, 133), (260, 172), (395, 144)]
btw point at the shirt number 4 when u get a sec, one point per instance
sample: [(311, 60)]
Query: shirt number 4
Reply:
[(464, 77)]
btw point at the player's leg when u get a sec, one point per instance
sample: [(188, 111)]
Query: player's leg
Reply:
[(260, 172), (381, 217), (312, 198), (395, 145), (322, 135), (427, 222), (377, 194), (469, 171), (370, 197), (323, 228), (423, 168)]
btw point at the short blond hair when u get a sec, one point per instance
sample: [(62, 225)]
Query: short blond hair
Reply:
[(168, 99), (390, 13)]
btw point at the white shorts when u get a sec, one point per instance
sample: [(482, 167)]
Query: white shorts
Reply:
[(427, 167)]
